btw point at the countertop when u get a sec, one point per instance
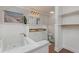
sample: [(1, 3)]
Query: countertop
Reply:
[(37, 29)]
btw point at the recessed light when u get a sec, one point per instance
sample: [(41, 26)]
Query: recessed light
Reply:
[(51, 12)]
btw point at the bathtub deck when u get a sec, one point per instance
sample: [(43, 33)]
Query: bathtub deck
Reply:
[(28, 48)]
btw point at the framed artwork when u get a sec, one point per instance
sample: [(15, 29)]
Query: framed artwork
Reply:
[(13, 17)]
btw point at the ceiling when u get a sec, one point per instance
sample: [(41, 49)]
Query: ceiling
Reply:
[(41, 9)]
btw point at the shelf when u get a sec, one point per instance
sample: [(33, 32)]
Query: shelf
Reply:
[(70, 13), (70, 25)]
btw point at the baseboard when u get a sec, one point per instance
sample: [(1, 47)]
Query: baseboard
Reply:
[(71, 49), (64, 50), (58, 49)]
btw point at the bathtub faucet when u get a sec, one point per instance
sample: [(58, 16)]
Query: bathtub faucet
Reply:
[(23, 34)]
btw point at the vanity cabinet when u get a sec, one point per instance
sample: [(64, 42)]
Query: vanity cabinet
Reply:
[(38, 35), (44, 35)]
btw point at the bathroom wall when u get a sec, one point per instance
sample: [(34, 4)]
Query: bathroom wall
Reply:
[(51, 24), (67, 9), (12, 36), (7, 30), (71, 33), (9, 8), (44, 19), (71, 38), (47, 20)]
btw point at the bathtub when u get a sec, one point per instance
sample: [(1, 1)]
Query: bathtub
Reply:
[(31, 47), (11, 40)]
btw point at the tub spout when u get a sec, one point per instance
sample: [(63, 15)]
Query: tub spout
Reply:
[(23, 34)]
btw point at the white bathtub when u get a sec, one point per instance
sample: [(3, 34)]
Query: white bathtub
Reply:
[(31, 47), (12, 42)]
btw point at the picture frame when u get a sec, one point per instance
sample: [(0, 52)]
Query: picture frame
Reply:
[(13, 17)]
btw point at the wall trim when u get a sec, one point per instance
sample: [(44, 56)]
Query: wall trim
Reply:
[(71, 49), (58, 49)]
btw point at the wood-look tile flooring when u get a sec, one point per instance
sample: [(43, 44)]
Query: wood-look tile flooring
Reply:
[(65, 51), (51, 49)]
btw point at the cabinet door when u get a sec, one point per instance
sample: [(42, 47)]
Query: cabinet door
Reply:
[(36, 36), (44, 35)]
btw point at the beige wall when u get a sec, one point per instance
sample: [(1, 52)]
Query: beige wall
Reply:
[(51, 23), (71, 33), (47, 20)]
